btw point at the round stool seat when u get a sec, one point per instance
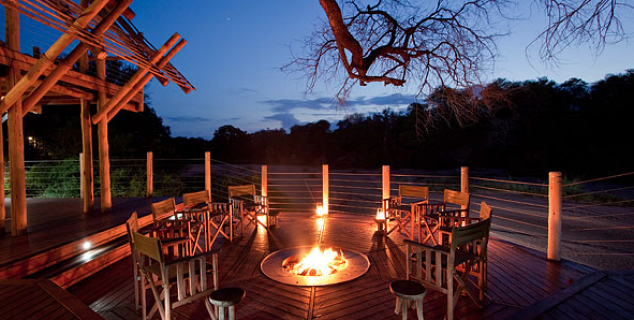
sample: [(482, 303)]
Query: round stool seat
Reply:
[(407, 289), (226, 297)]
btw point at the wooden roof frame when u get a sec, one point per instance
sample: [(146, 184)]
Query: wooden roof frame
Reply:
[(102, 27)]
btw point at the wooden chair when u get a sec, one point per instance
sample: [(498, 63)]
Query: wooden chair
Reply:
[(172, 224), (438, 219), (198, 206), (250, 205), (450, 269), (404, 213), (189, 274), (132, 225)]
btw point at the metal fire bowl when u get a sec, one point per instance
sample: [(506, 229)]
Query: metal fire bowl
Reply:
[(271, 266)]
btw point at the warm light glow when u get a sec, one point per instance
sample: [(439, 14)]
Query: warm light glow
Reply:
[(380, 214), (320, 224), (86, 245), (319, 263), (320, 210), (30, 138)]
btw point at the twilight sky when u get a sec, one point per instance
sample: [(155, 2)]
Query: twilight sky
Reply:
[(236, 48)]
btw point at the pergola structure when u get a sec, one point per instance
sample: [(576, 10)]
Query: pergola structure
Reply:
[(100, 30)]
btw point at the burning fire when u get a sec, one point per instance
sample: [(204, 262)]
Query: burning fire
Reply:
[(316, 263)]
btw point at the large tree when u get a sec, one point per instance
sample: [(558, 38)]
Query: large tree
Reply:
[(441, 43)]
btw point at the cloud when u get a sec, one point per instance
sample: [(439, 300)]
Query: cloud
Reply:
[(187, 119), (287, 119), (286, 105), (243, 90)]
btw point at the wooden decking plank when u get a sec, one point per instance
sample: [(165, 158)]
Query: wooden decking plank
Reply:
[(605, 288), (288, 297), (612, 309), (340, 303)]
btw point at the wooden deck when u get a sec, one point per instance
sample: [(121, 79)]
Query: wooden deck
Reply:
[(518, 277)]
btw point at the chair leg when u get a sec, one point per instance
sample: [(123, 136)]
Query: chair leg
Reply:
[(419, 309), (221, 313), (232, 312), (211, 310), (404, 308), (397, 309)]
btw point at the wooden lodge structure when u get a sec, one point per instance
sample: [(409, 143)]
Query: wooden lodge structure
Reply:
[(102, 30)]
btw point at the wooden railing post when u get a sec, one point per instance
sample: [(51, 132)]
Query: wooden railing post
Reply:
[(265, 182), (208, 173), (386, 182), (150, 175), (82, 179), (325, 187), (464, 181), (554, 216)]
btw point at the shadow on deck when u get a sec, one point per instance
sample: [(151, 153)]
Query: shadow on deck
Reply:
[(518, 277)]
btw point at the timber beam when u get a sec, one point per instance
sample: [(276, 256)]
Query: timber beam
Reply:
[(51, 54), (125, 89), (79, 51), (146, 78)]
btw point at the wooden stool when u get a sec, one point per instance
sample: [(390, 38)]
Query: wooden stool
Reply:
[(223, 298), (407, 291)]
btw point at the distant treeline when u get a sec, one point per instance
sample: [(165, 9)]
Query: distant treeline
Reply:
[(536, 126)]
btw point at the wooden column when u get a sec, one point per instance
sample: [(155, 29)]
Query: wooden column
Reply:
[(16, 132), (554, 216), (208, 173), (150, 175), (87, 172), (102, 134), (3, 213), (386, 182), (324, 169), (81, 176), (464, 182), (265, 182)]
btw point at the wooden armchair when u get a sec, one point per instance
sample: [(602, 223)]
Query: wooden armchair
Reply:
[(450, 269), (177, 245), (169, 223), (198, 206), (439, 218), (404, 213), (250, 204), (189, 274)]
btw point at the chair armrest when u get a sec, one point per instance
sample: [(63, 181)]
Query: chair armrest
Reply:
[(426, 247)]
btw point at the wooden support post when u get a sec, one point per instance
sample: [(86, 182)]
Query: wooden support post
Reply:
[(3, 212), (208, 173), (464, 182), (325, 180), (104, 148), (87, 173), (48, 58), (150, 175), (386, 182), (554, 216), (15, 130), (81, 175), (265, 181)]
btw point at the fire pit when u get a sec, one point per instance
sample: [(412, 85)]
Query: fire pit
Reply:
[(314, 266)]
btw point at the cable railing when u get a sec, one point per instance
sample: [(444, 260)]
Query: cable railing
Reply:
[(597, 214)]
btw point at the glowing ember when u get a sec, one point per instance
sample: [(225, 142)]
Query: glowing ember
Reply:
[(316, 263)]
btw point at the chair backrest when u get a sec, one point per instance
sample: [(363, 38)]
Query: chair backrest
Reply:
[(485, 211), (132, 225), (237, 191), (163, 208), (148, 247), (461, 236), (196, 197), (413, 191), (457, 198)]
